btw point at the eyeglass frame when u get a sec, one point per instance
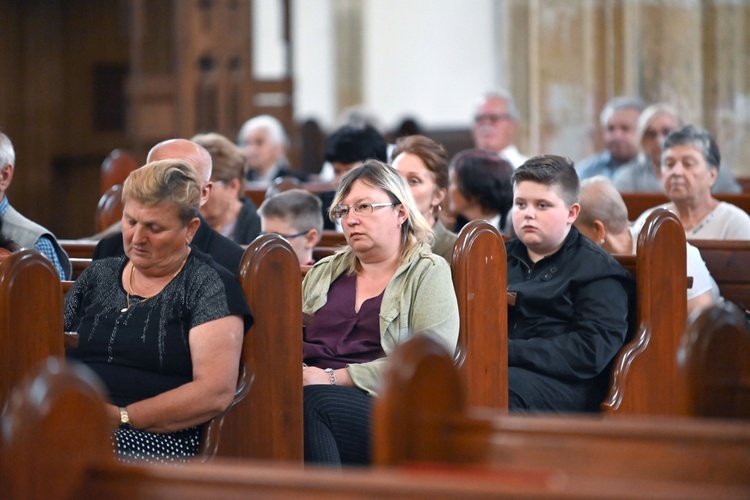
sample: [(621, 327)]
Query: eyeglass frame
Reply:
[(372, 206), (289, 236)]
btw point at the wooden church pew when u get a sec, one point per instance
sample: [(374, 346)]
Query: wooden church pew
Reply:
[(479, 269), (729, 265), (58, 431), (265, 420), (714, 364), (645, 370), (422, 417), (83, 249), (637, 203), (31, 321)]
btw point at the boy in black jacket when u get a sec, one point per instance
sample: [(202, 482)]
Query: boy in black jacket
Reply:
[(572, 298)]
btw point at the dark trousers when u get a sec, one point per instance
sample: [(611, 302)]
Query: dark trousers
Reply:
[(337, 425), (529, 391)]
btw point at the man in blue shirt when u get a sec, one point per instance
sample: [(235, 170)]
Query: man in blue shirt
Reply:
[(619, 122), (24, 232)]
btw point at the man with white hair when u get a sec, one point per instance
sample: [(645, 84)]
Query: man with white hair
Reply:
[(619, 123), (264, 142), (496, 125), (223, 250), (24, 232)]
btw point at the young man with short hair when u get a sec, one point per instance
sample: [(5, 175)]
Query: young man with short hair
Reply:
[(571, 313)]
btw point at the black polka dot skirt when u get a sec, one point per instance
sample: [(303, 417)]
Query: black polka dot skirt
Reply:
[(133, 445)]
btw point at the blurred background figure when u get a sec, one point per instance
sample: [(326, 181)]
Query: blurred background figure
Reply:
[(424, 165), (296, 215), (227, 210), (644, 172), (481, 187), (619, 124), (347, 148), (496, 125), (265, 143), (604, 220), (690, 165)]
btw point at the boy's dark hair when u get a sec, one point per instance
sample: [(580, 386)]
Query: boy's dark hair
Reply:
[(698, 137), (552, 171)]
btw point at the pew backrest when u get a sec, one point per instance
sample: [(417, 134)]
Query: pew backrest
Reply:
[(109, 208), (729, 265), (479, 265), (421, 416), (31, 317), (637, 203), (80, 249), (115, 169), (714, 364), (644, 372), (57, 425), (265, 421)]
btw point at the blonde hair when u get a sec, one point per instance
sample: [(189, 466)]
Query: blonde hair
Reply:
[(166, 181), (414, 230)]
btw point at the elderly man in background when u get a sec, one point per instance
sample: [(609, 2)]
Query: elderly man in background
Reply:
[(644, 172), (619, 123), (265, 143), (24, 232), (224, 251), (496, 125)]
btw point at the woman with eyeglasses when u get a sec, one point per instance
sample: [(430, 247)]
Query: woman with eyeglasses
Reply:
[(359, 304)]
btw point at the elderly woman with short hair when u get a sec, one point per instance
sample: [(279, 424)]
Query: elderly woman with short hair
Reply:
[(689, 167), (162, 325), (642, 174), (359, 304)]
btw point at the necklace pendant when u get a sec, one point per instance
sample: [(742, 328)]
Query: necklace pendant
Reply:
[(124, 309)]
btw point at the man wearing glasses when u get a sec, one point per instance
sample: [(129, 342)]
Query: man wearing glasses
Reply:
[(496, 125)]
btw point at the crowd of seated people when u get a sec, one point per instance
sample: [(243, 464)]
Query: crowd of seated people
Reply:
[(161, 316)]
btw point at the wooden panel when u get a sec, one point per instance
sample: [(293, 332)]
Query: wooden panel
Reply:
[(29, 285)]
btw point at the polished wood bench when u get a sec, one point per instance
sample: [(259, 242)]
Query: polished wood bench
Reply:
[(639, 202), (60, 429), (644, 371), (714, 364), (422, 417), (31, 321), (83, 249), (729, 264)]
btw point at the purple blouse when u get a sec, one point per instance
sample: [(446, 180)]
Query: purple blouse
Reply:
[(337, 334)]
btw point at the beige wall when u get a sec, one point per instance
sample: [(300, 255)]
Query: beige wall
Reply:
[(570, 57)]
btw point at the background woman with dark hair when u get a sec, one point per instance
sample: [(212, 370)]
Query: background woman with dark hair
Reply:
[(424, 165), (481, 186)]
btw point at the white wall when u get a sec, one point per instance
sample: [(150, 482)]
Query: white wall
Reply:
[(427, 59)]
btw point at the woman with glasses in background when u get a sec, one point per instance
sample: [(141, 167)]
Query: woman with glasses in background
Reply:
[(359, 304)]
